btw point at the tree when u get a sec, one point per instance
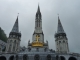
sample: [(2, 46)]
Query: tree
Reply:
[(3, 36)]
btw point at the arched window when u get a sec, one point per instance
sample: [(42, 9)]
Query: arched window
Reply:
[(2, 58), (11, 58), (14, 45), (36, 57), (72, 58), (48, 57), (25, 57), (62, 57), (63, 41)]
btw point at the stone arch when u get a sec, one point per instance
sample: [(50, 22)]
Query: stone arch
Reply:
[(25, 57), (36, 57), (72, 58), (49, 57), (2, 58), (11, 58), (62, 58)]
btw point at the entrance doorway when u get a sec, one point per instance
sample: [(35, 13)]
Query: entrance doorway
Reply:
[(62, 57), (11, 58), (2, 58), (72, 58)]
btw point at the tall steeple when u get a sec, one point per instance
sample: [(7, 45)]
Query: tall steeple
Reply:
[(13, 42), (38, 9), (60, 27), (61, 39), (38, 14), (38, 20), (38, 36), (15, 27)]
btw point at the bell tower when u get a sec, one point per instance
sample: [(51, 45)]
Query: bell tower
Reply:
[(13, 42), (38, 35), (61, 39), (38, 43)]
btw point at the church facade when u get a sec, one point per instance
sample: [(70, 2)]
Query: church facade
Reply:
[(38, 49)]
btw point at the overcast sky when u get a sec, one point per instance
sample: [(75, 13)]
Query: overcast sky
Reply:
[(68, 10)]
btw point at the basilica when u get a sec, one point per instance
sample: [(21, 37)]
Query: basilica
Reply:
[(38, 49)]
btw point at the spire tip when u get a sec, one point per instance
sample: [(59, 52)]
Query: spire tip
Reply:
[(18, 15)]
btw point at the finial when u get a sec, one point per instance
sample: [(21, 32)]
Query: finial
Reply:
[(58, 16), (18, 15), (38, 8)]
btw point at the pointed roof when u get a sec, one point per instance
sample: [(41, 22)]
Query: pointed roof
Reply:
[(60, 27), (15, 27), (38, 9)]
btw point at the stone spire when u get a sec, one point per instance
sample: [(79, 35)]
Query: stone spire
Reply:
[(60, 27), (15, 27), (38, 13), (38, 9), (61, 39)]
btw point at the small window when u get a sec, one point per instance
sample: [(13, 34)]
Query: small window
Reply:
[(59, 41), (63, 41)]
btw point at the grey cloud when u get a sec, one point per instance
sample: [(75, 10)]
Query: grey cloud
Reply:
[(68, 10)]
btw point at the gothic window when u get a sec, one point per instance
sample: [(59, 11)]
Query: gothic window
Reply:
[(48, 57), (38, 16), (25, 57), (63, 41), (36, 57), (14, 45), (37, 23)]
